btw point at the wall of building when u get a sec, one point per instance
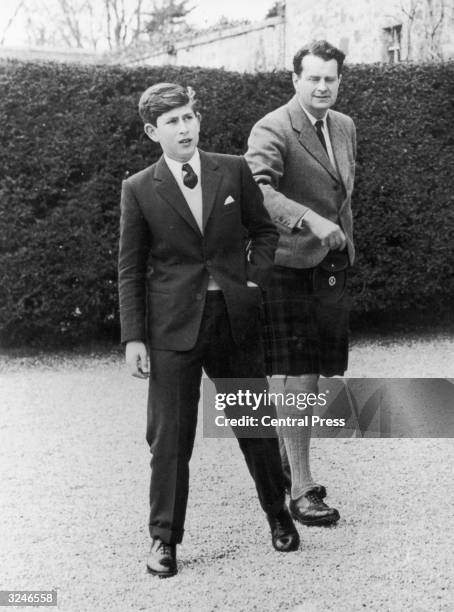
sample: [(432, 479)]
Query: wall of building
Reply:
[(355, 27), (366, 30), (426, 38), (363, 28), (247, 48), (53, 54)]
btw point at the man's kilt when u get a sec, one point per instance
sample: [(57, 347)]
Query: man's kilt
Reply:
[(303, 333)]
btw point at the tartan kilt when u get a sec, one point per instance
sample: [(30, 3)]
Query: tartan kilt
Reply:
[(303, 334)]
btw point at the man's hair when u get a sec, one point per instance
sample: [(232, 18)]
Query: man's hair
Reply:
[(319, 48), (163, 97)]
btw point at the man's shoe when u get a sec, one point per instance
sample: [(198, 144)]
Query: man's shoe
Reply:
[(162, 560), (310, 509), (284, 535)]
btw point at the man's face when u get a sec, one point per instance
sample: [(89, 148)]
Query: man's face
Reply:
[(177, 131), (317, 85)]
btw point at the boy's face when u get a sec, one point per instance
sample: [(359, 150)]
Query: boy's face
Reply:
[(177, 131)]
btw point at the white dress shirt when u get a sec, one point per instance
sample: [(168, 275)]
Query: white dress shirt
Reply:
[(329, 147), (325, 131), (193, 196)]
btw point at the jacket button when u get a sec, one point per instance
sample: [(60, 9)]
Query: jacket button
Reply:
[(208, 262), (198, 296)]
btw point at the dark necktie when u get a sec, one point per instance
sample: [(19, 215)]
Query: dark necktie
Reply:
[(321, 136), (190, 177)]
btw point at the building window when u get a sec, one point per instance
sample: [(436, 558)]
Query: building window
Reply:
[(392, 37)]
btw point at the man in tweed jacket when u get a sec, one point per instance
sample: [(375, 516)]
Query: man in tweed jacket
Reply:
[(303, 157)]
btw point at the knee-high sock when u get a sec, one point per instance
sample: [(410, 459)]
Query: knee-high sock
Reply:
[(294, 442)]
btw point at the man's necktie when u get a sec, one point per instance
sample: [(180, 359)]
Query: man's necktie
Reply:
[(190, 177), (321, 136)]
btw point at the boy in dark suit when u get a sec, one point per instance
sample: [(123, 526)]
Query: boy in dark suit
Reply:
[(190, 298)]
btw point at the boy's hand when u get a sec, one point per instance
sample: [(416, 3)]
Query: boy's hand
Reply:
[(137, 359)]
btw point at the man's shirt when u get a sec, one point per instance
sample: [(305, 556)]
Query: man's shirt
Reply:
[(325, 131)]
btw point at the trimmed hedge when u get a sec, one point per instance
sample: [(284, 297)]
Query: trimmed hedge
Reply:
[(71, 134)]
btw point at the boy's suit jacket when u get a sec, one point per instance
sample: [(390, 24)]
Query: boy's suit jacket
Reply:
[(294, 172), (165, 261)]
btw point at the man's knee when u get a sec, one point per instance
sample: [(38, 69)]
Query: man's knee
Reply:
[(306, 382)]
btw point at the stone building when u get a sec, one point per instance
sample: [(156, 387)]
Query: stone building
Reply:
[(367, 30), (247, 48), (371, 31)]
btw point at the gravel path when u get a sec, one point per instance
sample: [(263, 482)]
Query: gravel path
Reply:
[(74, 472)]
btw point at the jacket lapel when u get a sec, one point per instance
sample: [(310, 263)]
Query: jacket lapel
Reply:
[(308, 136), (338, 139), (211, 178), (169, 191)]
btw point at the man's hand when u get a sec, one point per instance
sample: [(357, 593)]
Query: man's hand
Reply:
[(137, 359), (329, 233)]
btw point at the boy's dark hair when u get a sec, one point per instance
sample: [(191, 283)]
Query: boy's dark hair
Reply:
[(163, 97), (320, 48)]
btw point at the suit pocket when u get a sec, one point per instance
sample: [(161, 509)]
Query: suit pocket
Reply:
[(229, 209)]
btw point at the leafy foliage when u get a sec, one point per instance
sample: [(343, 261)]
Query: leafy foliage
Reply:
[(166, 15), (276, 10), (71, 134)]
